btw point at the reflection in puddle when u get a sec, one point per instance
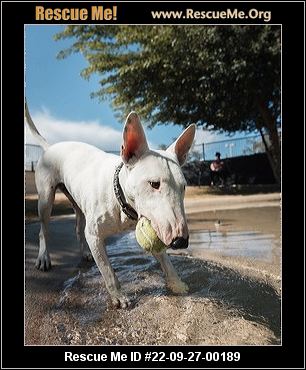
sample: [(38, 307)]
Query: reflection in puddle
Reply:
[(226, 304), (247, 244), (223, 306), (250, 244)]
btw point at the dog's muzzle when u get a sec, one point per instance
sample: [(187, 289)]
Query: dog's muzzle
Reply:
[(180, 243)]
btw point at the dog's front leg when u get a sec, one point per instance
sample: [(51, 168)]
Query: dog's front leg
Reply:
[(98, 250), (173, 281)]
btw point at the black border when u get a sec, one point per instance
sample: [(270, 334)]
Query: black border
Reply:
[(291, 353)]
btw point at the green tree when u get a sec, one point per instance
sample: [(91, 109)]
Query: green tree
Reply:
[(224, 78)]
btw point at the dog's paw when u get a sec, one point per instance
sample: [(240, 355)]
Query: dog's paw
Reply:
[(43, 262), (178, 287), (120, 301)]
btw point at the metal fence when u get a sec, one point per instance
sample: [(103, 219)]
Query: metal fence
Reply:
[(231, 147), (32, 155), (205, 151)]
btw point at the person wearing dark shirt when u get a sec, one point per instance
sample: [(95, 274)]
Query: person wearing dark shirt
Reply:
[(217, 170)]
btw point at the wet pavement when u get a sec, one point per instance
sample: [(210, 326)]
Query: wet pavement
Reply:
[(232, 268)]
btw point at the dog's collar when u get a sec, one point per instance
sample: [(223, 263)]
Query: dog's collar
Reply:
[(125, 206)]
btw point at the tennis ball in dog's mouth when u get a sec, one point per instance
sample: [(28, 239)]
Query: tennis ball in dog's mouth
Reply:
[(147, 237)]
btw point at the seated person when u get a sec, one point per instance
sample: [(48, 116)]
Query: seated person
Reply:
[(217, 170)]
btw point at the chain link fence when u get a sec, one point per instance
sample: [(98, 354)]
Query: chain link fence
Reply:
[(230, 148), (206, 151), (32, 155)]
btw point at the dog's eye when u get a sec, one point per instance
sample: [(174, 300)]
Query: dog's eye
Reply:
[(155, 184)]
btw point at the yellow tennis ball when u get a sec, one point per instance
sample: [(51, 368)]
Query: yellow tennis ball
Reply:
[(147, 237)]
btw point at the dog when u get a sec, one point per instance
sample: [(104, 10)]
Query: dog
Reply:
[(110, 193)]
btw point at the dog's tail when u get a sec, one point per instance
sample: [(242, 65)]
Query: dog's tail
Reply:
[(34, 130)]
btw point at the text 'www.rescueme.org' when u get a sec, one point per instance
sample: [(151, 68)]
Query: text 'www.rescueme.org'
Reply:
[(251, 14)]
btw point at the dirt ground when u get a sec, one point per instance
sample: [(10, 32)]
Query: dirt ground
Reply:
[(234, 298)]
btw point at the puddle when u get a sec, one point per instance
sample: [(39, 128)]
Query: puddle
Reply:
[(225, 305), (248, 244), (252, 234)]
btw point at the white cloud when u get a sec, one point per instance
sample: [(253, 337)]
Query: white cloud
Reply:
[(91, 132), (55, 130)]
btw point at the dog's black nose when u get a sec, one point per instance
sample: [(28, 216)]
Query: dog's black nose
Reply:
[(180, 243)]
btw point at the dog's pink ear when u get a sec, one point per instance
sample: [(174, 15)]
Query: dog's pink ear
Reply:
[(134, 139), (183, 144)]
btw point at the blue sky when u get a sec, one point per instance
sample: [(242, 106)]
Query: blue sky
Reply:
[(59, 98)]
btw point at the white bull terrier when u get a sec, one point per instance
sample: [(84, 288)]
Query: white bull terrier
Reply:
[(109, 193)]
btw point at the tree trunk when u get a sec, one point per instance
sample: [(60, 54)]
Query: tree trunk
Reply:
[(274, 153), (267, 149)]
